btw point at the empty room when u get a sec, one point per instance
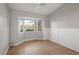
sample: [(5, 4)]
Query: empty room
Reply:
[(39, 28)]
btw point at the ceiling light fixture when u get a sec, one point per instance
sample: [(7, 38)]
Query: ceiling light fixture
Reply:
[(40, 5)]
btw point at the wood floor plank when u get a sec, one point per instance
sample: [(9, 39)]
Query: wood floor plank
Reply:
[(40, 47)]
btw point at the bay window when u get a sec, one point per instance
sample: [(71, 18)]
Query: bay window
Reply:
[(28, 24)]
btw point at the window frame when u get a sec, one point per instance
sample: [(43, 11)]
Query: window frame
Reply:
[(31, 18)]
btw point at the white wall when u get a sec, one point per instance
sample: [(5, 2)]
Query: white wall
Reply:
[(4, 28), (15, 35), (65, 26), (33, 35), (46, 29)]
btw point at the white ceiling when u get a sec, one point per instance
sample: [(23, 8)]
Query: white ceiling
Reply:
[(31, 7)]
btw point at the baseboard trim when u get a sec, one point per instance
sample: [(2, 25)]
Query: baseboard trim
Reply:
[(65, 46), (5, 53), (18, 43), (15, 44)]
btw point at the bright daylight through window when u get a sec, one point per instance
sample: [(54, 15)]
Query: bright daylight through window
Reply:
[(26, 24)]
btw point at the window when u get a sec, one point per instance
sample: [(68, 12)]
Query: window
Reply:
[(29, 25)]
